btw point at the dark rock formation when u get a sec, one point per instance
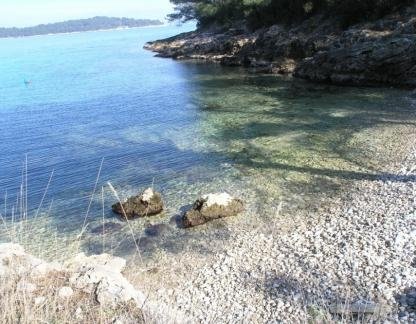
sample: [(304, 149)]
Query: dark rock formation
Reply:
[(318, 49), (387, 59), (210, 207), (148, 203)]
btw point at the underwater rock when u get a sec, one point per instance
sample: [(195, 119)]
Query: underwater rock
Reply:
[(148, 203), (107, 228), (210, 207), (157, 229)]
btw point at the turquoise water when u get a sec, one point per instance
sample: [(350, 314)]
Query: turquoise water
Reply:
[(185, 128)]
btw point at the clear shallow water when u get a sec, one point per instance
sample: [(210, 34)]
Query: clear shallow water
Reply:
[(187, 128)]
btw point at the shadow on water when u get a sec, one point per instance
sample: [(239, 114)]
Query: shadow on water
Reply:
[(254, 115)]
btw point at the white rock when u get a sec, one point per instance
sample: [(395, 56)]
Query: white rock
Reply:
[(81, 261), (65, 292), (39, 300), (148, 194), (221, 199), (101, 275), (79, 314), (14, 260)]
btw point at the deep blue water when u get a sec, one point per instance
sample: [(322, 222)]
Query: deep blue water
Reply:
[(92, 95)]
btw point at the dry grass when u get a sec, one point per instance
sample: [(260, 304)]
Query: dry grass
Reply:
[(43, 305), (36, 300)]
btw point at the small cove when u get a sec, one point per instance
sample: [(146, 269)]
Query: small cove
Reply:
[(186, 128)]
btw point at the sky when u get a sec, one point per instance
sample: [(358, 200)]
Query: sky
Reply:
[(22, 13)]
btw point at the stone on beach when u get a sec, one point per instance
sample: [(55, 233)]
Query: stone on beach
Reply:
[(15, 261), (148, 203), (210, 207), (359, 307), (101, 275), (65, 292)]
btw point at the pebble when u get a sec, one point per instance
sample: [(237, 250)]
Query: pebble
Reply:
[(360, 248)]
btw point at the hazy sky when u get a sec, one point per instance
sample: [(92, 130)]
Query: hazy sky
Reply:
[(31, 12)]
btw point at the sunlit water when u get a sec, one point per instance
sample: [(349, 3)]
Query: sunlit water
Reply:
[(185, 128)]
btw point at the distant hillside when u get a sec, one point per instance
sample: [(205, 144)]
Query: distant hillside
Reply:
[(96, 23)]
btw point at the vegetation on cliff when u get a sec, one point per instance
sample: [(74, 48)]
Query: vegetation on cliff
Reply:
[(261, 13), (96, 23)]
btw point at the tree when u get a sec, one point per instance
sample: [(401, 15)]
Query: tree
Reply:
[(260, 13)]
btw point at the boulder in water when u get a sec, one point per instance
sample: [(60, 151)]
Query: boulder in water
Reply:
[(148, 203), (210, 207)]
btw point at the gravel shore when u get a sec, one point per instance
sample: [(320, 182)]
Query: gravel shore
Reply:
[(358, 250)]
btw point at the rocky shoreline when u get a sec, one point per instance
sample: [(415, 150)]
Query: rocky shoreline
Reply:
[(351, 259), (382, 52), (81, 290)]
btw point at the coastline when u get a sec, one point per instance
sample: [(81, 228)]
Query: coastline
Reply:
[(89, 31), (376, 53), (316, 265), (350, 255)]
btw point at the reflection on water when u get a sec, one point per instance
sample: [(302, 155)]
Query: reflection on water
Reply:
[(190, 130)]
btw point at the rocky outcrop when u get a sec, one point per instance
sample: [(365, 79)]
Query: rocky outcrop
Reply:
[(148, 203), (385, 59), (214, 45), (210, 207), (14, 261), (85, 279), (101, 276), (97, 275), (380, 52)]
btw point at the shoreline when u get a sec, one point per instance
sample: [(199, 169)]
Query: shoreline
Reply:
[(89, 31), (353, 249), (376, 53), (356, 249)]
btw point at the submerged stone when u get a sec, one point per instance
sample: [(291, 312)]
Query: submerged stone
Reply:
[(156, 230), (148, 203), (210, 207), (107, 228)]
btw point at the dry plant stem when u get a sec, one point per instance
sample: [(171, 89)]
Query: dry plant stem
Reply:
[(44, 194), (84, 225), (113, 190), (102, 205)]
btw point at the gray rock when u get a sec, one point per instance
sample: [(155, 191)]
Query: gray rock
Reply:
[(380, 60)]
